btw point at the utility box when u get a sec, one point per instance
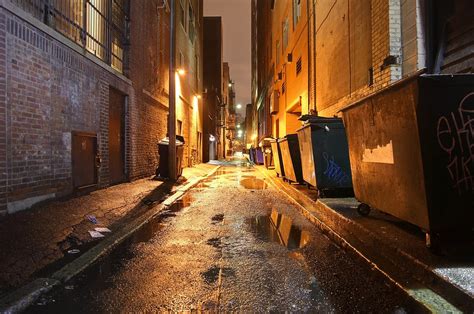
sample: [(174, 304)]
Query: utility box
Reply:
[(325, 156), (412, 152)]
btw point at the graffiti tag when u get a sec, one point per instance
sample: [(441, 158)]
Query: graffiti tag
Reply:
[(334, 172), (455, 133)]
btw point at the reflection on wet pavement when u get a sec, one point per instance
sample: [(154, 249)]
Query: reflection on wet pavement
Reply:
[(280, 229), (223, 248), (253, 184)]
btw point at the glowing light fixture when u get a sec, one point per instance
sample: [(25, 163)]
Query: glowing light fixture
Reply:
[(239, 106), (181, 72)]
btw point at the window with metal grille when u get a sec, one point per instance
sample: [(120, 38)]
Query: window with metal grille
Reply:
[(298, 66), (285, 35), (191, 28), (296, 12), (182, 14), (100, 26)]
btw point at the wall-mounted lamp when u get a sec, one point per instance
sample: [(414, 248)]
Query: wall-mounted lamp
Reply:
[(181, 72)]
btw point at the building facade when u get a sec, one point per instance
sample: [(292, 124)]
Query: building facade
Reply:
[(229, 111), (320, 57), (213, 86), (385, 42), (83, 95)]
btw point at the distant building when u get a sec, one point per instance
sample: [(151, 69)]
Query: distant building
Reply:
[(229, 111), (213, 85)]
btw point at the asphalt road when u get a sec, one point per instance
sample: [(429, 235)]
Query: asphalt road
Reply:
[(233, 243)]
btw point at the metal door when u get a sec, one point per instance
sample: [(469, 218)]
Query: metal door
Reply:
[(116, 137), (84, 154)]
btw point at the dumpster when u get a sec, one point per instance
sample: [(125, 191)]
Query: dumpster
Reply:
[(412, 153), (259, 156), (268, 158), (252, 154), (325, 156), (277, 161), (290, 155), (267, 153), (163, 168)]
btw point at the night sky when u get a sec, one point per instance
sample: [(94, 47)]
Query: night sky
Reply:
[(236, 17)]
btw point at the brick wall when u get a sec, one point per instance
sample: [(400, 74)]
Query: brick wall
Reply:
[(149, 57), (51, 90), (3, 139)]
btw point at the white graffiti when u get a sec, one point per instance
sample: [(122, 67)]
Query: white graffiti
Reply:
[(455, 133)]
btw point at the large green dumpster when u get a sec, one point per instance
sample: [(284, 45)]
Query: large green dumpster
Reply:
[(277, 161), (290, 155), (325, 156), (412, 152)]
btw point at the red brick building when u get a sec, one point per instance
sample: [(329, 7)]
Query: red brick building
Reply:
[(84, 94)]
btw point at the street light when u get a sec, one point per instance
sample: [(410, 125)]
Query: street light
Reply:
[(181, 72), (239, 106)]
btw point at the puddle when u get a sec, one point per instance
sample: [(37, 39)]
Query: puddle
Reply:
[(214, 242), (278, 228), (212, 274), (253, 184), (201, 186), (218, 218), (148, 231)]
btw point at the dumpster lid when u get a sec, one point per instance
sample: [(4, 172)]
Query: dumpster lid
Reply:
[(288, 137), (317, 119), (166, 140)]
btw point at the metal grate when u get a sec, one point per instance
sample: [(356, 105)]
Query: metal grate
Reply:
[(298, 66), (100, 26)]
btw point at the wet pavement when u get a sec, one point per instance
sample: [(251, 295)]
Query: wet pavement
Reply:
[(231, 243)]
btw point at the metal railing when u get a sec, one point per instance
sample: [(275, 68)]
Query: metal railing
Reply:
[(100, 26)]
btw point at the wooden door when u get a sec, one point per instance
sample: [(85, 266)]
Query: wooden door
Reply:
[(116, 137), (84, 153)]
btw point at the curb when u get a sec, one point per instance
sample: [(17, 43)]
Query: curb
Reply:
[(24, 296), (333, 224)]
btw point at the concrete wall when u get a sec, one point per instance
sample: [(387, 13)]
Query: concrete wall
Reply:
[(354, 38), (293, 100)]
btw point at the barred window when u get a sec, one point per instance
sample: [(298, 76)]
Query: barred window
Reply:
[(100, 26), (191, 27), (299, 66)]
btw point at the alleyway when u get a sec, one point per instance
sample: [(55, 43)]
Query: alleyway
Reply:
[(232, 243)]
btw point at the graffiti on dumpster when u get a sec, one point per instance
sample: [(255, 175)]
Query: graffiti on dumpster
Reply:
[(455, 133), (334, 172)]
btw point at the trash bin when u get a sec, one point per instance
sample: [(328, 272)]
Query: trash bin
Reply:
[(412, 153), (268, 157), (277, 160), (325, 156), (259, 156), (163, 168), (290, 155), (252, 154)]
